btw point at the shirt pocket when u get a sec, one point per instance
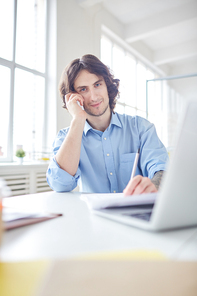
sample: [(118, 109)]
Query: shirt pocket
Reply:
[(126, 166)]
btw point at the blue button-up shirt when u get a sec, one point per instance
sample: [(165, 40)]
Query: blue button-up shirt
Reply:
[(107, 158)]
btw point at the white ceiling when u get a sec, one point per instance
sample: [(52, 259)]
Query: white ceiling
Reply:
[(128, 11), (165, 28)]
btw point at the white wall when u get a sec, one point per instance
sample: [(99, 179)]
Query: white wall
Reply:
[(74, 38)]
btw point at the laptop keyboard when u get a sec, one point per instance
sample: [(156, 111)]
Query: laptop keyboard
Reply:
[(142, 216), (142, 212)]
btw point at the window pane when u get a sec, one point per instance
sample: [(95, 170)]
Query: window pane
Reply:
[(4, 109), (141, 87), (141, 113), (30, 34), (130, 111), (155, 113), (149, 75), (118, 69), (6, 28), (119, 108), (28, 112), (164, 104), (133, 76), (130, 81), (106, 50), (154, 97)]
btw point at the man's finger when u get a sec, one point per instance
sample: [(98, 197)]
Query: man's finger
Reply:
[(150, 189), (130, 188), (142, 185), (139, 185), (75, 97), (146, 186)]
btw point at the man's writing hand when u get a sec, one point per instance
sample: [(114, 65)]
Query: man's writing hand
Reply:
[(139, 185)]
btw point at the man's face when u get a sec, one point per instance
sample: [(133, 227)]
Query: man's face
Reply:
[(93, 89)]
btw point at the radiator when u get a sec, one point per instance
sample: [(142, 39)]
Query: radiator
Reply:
[(18, 183), (25, 180), (41, 183)]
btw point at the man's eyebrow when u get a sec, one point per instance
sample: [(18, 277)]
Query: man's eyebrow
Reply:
[(100, 80), (83, 86), (79, 87)]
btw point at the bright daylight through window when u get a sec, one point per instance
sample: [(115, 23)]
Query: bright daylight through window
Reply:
[(132, 75), (22, 77), (142, 92)]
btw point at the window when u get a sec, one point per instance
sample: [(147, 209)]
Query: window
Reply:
[(164, 106), (132, 74), (4, 110), (23, 77), (143, 93)]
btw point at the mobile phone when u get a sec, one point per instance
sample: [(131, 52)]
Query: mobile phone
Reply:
[(80, 105)]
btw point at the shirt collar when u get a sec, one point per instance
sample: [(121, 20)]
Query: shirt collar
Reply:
[(114, 121)]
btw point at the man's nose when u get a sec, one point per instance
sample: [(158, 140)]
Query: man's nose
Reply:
[(93, 94)]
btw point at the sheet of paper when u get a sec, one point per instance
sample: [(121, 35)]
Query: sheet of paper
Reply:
[(13, 218), (11, 214), (99, 201)]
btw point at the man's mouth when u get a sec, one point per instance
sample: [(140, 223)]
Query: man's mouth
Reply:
[(96, 104)]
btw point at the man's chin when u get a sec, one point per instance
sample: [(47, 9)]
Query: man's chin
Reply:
[(96, 113)]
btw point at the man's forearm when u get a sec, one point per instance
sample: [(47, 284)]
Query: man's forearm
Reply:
[(156, 180), (69, 153)]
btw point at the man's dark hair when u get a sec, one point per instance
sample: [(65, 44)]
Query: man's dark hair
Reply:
[(93, 65)]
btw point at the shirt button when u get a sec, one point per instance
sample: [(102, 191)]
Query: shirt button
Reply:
[(105, 138), (107, 154), (114, 191), (111, 174)]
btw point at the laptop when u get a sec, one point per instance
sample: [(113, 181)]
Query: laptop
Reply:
[(176, 203)]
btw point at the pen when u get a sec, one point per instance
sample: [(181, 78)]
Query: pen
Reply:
[(135, 163)]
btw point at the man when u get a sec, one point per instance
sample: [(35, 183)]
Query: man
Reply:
[(98, 150)]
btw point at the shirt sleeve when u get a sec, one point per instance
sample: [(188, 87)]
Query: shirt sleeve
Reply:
[(153, 154), (58, 179)]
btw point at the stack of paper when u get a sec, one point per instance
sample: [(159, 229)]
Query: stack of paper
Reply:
[(107, 200)]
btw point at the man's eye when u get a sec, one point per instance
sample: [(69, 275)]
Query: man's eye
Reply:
[(97, 84), (82, 89)]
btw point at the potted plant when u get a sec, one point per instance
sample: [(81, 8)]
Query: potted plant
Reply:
[(20, 153)]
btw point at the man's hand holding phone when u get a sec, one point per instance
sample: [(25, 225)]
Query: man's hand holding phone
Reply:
[(74, 103), (69, 153)]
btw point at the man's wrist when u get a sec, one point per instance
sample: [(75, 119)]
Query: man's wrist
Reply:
[(156, 180), (80, 119)]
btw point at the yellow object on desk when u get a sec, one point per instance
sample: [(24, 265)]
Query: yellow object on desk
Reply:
[(21, 278), (125, 255), (115, 278), (1, 222), (24, 278), (100, 277)]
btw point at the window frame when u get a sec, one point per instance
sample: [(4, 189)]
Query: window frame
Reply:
[(12, 65), (127, 51)]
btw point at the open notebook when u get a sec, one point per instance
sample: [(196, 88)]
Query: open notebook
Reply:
[(175, 204)]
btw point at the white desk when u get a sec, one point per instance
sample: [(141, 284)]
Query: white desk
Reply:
[(79, 232)]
